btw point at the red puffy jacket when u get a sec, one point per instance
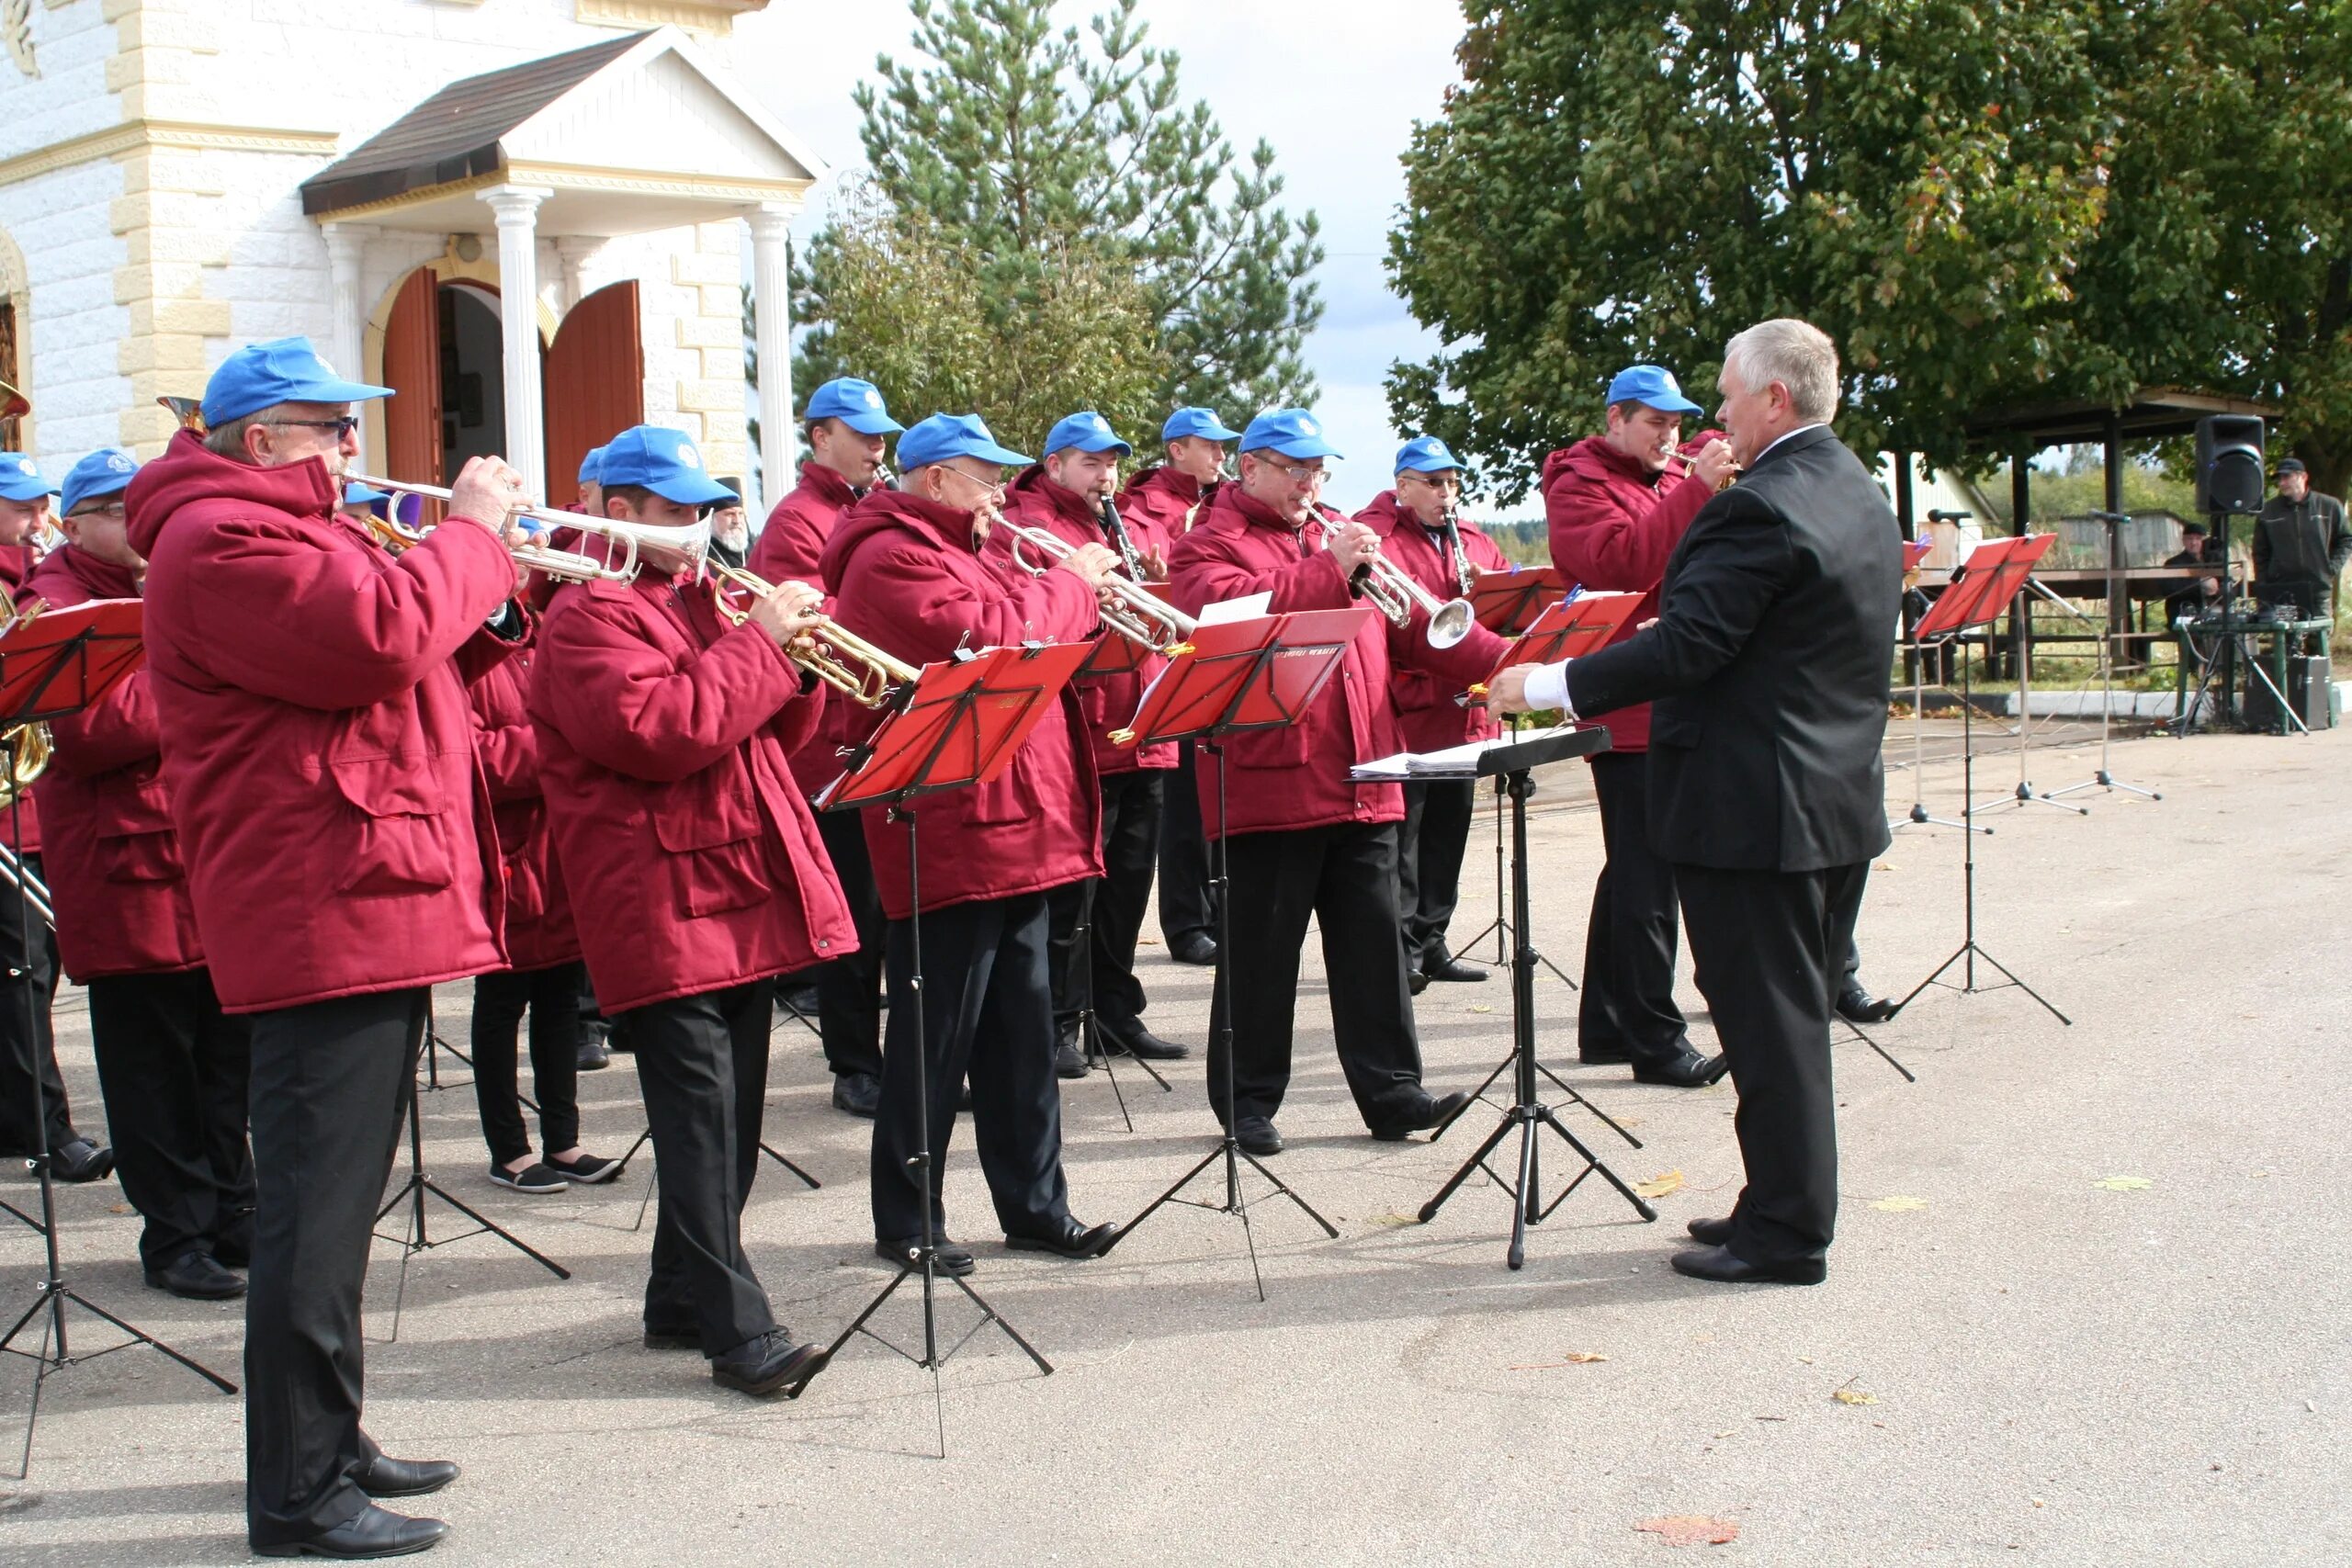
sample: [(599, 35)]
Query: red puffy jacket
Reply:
[(912, 582), (1426, 709), (1613, 521), (16, 563), (791, 549), (1105, 702), (317, 741), (539, 929), (693, 860), (1169, 498), (1297, 777), (113, 858)]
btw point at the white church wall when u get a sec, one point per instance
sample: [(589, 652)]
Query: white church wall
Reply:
[(71, 96), (72, 324)]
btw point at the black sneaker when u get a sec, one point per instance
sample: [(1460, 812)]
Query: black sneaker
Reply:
[(769, 1363), (535, 1177), (588, 1170)]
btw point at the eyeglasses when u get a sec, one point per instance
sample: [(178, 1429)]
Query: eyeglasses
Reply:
[(114, 509), (1296, 473), (342, 427), (994, 491)]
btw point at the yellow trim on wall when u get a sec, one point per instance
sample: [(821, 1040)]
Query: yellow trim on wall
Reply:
[(139, 136)]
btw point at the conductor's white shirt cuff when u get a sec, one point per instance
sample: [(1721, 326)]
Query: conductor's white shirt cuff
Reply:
[(1548, 688)]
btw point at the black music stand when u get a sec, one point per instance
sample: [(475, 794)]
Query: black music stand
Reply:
[(1507, 602), (54, 665), (1996, 569), (1514, 759), (957, 724), (1238, 676)]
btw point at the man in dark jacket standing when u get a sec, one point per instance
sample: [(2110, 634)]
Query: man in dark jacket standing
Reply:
[(2301, 545), (1770, 665)]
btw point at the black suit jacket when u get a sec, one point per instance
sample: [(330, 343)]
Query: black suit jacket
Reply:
[(1769, 666)]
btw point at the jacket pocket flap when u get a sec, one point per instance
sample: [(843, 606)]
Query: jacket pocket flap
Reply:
[(390, 785)]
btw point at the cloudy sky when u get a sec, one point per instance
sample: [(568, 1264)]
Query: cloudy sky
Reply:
[(1334, 84)]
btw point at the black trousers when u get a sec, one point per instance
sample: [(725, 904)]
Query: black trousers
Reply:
[(15, 1047), (849, 989), (1187, 903), (1112, 905), (552, 997), (1768, 947), (331, 1084), (987, 1014), (172, 1068), (1345, 879), (1626, 1007), (1430, 842), (702, 1062)]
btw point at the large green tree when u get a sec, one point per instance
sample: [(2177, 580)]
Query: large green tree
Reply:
[(1617, 180), (1025, 144)]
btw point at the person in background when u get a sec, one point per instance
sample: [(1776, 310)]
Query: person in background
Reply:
[(730, 527), (2301, 545)]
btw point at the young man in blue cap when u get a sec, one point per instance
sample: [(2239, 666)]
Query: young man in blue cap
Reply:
[(172, 1065), (696, 875), (1302, 842), (844, 434), (312, 712), (25, 495), (912, 577), (1068, 495)]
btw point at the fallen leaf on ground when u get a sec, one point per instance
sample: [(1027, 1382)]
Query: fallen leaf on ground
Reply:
[(2122, 1183), (1854, 1396), (1480, 1007), (1691, 1530), (1899, 1205), (1659, 1185), (1576, 1358), (1582, 1358), (1392, 1221)]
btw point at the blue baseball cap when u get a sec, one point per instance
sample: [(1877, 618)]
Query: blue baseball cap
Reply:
[(20, 479), (945, 435), (1294, 432), (855, 404), (283, 370), (655, 457), (1089, 432), (592, 467), (1425, 455), (357, 494), (1654, 385), (103, 472), (1201, 422)]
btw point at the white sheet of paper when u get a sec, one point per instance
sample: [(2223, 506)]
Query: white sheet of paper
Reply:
[(1248, 607)]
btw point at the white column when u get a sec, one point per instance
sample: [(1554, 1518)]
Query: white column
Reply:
[(772, 337), (347, 259), (572, 252), (517, 209)]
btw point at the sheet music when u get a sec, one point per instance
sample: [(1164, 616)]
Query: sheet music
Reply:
[(1248, 607), (1450, 761)]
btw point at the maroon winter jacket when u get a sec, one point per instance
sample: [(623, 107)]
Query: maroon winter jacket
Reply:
[(1613, 522), (790, 549), (113, 858), (16, 564), (913, 583), (1296, 776), (1426, 709), (540, 930), (1105, 702), (317, 741), (1168, 497), (690, 856)]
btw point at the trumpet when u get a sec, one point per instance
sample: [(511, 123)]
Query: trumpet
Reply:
[(1396, 595), (565, 566), (848, 663), (1135, 612), (1691, 466)]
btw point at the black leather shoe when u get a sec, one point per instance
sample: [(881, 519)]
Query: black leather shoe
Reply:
[(857, 1093), (1192, 948), (1710, 1233), (1717, 1263), (1072, 1239), (769, 1363), (198, 1276), (1070, 1061), (1134, 1040), (594, 1056), (1256, 1135), (1856, 1005), (1416, 981), (1421, 1118), (79, 1159), (371, 1532), (385, 1476), (1689, 1070), (1445, 966), (949, 1258)]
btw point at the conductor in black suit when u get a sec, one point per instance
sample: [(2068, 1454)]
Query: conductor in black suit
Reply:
[(1770, 665)]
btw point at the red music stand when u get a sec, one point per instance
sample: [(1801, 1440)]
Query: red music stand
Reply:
[(956, 724), (1508, 602), (1240, 675), (1996, 571), (53, 664)]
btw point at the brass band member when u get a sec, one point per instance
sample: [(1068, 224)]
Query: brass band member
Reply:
[(906, 568), (696, 878), (1303, 842), (1066, 496)]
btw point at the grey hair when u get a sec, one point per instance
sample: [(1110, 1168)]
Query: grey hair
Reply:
[(228, 440), (1796, 354)]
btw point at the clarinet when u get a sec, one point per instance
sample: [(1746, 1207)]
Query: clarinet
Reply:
[(1463, 573), (1116, 530)]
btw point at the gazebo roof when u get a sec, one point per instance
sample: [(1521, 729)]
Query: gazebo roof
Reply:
[(2150, 414)]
